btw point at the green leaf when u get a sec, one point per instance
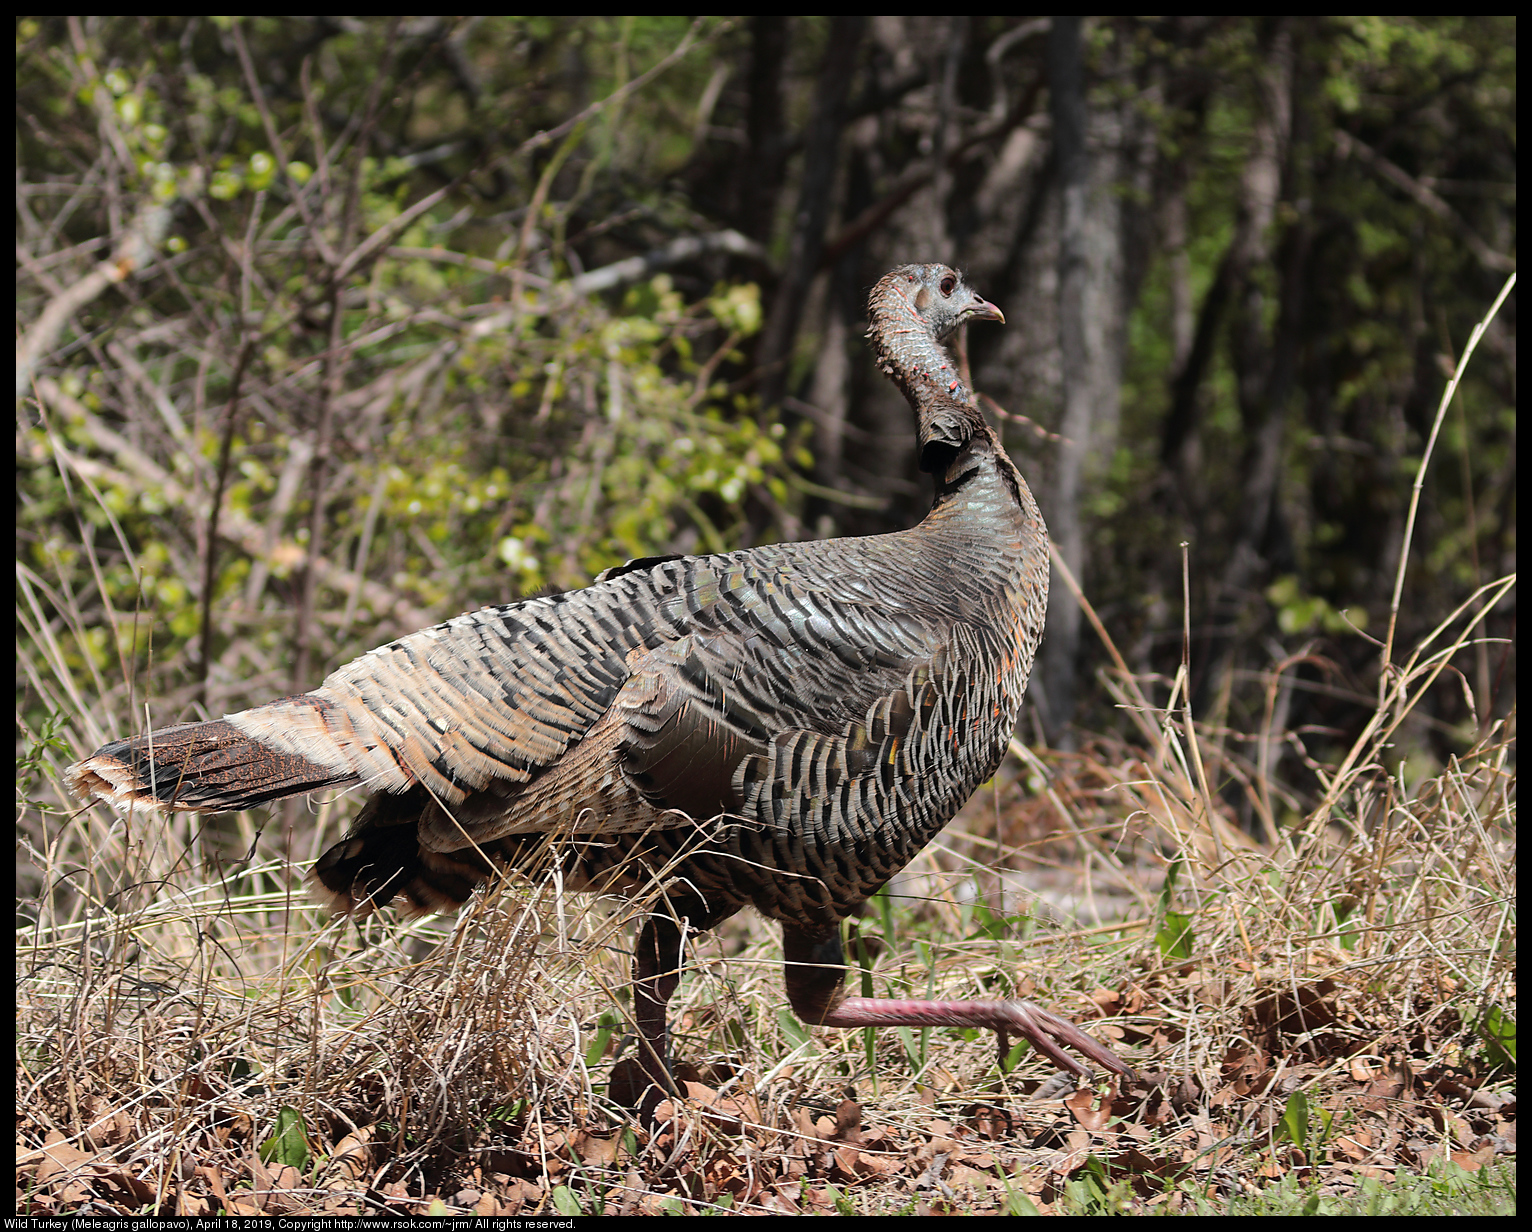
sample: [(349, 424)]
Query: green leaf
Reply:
[(842, 1203), (1175, 935), (986, 924), (605, 1025), (794, 1030), (1498, 1031), (1295, 1119), (289, 1143)]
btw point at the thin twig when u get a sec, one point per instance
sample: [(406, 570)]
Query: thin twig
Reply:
[(1420, 479)]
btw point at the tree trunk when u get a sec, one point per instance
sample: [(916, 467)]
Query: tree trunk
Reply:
[(1090, 342), (813, 212)]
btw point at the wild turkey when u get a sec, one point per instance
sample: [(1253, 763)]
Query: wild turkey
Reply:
[(783, 727)]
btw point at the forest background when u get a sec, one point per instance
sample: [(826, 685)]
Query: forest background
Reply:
[(428, 313), (330, 328)]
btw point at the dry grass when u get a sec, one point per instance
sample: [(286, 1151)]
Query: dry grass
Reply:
[(171, 1021)]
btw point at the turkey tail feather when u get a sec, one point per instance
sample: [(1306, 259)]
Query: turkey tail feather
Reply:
[(210, 767)]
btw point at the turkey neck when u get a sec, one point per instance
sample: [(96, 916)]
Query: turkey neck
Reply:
[(985, 538), (983, 522)]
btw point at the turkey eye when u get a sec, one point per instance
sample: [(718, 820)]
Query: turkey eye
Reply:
[(947, 284)]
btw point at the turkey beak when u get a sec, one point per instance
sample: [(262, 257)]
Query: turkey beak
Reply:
[(983, 310)]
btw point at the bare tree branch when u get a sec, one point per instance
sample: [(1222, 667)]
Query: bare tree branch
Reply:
[(1349, 147)]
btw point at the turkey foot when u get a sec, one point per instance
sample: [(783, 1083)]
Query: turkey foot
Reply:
[(815, 970)]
